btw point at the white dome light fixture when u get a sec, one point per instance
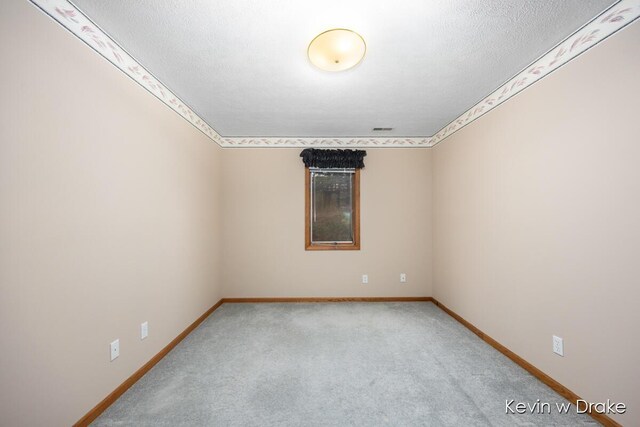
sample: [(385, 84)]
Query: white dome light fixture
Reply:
[(337, 50)]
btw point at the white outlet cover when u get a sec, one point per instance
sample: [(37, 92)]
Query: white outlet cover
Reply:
[(115, 349), (144, 330), (365, 279), (403, 277), (558, 345)]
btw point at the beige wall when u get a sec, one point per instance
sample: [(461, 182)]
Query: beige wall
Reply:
[(114, 211), (263, 233), (109, 216), (536, 210)]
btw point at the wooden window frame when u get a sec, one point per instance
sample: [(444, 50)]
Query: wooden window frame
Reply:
[(308, 245)]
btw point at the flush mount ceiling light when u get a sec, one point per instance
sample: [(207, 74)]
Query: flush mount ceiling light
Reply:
[(337, 50)]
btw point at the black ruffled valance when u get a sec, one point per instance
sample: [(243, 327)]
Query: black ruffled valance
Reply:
[(333, 159)]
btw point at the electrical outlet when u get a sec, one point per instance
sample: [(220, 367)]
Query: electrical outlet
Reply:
[(115, 349), (558, 346), (365, 279), (403, 277), (144, 330)]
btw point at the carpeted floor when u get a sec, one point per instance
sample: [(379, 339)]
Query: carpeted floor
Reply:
[(333, 364)]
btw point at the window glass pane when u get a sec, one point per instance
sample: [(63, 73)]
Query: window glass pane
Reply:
[(331, 206)]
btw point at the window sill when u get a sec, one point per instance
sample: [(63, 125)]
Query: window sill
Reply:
[(333, 247)]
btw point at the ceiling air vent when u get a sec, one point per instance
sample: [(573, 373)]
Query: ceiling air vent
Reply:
[(382, 129)]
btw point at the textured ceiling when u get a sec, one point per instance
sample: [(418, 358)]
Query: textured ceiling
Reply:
[(242, 65)]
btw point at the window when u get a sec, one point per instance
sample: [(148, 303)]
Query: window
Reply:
[(332, 209)]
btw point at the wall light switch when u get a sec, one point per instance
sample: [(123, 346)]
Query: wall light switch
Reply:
[(144, 330), (558, 346), (403, 277), (115, 349), (365, 279)]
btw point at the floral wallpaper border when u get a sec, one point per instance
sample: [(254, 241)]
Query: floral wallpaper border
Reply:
[(67, 15), (612, 20), (325, 142)]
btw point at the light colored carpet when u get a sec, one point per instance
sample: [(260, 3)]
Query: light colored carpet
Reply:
[(333, 364)]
